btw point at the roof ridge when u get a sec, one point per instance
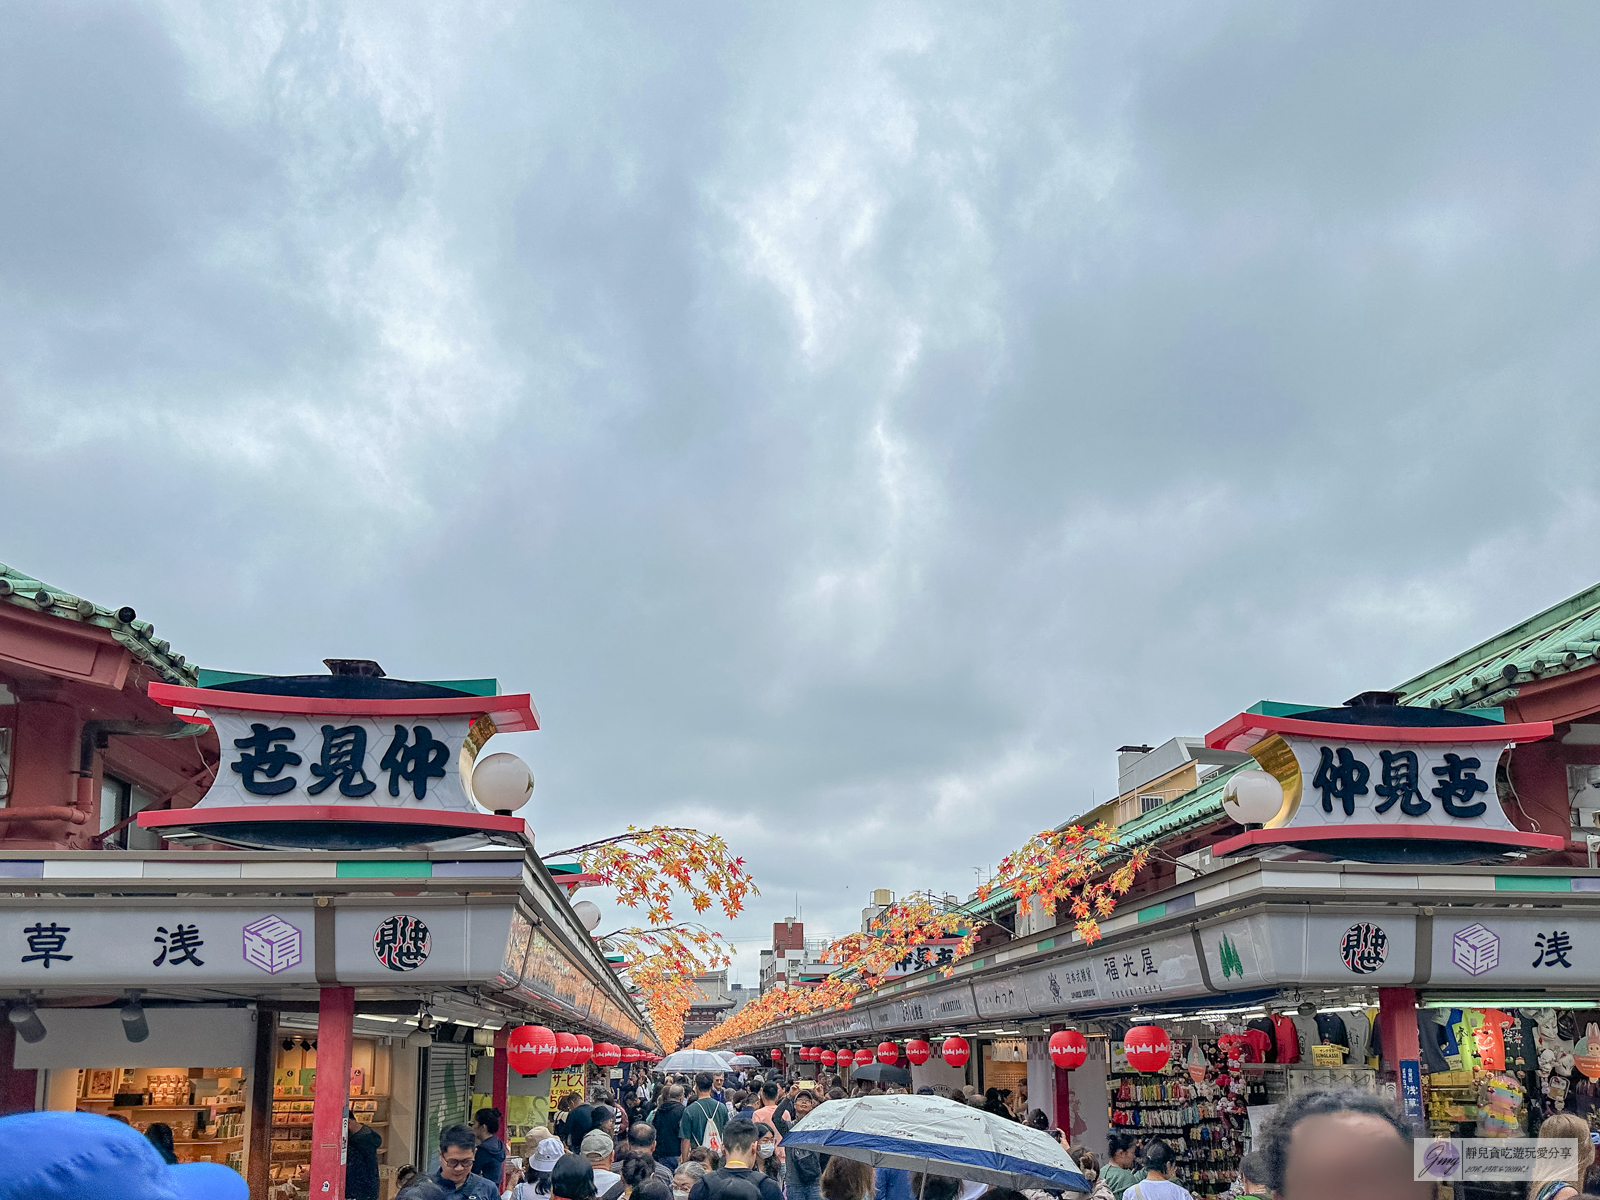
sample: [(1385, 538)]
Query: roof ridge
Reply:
[(1530, 629), (123, 624)]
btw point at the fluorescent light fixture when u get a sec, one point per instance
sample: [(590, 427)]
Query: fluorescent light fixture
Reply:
[(1507, 1002)]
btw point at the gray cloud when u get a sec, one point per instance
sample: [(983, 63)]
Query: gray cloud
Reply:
[(849, 422)]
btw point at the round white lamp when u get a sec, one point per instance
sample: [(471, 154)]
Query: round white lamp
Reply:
[(418, 1038), (588, 912), (502, 782), (1252, 797)]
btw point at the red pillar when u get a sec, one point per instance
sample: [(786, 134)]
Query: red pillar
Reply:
[(1397, 1022), (502, 1039), (335, 1022)]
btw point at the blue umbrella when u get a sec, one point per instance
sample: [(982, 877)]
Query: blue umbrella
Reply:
[(939, 1137)]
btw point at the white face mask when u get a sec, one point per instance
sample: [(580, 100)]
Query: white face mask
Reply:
[(766, 1149)]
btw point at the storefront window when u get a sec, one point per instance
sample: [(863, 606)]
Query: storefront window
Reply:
[(201, 1107)]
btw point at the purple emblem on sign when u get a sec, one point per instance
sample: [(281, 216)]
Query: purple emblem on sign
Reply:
[(272, 944), (1475, 950)]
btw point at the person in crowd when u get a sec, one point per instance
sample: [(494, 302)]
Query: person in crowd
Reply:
[(1005, 1193), (1155, 1185), (836, 1092), (1252, 1178), (636, 1171), (766, 1111), (1569, 1183), (665, 1119), (599, 1149), (572, 1178), (707, 1109), (1089, 1166), (935, 1187), (604, 1120), (739, 1137), (564, 1107), (1121, 1173), (846, 1179), (652, 1189), (547, 1152), (404, 1176), (159, 1135), (717, 1082), (580, 1120), (420, 1188), (1337, 1144), (767, 1151), (642, 1144), (361, 1159), (512, 1180), (994, 1102), (1037, 1120), (683, 1180), (803, 1168), (458, 1150), (489, 1160)]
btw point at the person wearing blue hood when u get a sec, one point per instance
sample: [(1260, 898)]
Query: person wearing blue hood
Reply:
[(82, 1156)]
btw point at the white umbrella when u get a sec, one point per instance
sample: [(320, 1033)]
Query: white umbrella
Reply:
[(940, 1137), (744, 1061), (692, 1060)]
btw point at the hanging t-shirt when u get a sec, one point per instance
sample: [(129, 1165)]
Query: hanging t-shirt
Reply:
[(1430, 1035), (1287, 1039), (1259, 1033), (1330, 1028), (1359, 1031), (1306, 1031), (1449, 1045)]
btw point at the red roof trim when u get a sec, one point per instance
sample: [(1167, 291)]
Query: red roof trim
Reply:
[(511, 714), (1393, 833), (1236, 733)]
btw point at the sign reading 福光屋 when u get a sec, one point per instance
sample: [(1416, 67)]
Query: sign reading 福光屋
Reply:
[(1382, 774)]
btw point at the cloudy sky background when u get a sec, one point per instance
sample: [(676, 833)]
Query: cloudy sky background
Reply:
[(850, 422)]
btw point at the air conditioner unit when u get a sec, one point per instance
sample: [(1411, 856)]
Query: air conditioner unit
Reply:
[(1195, 864)]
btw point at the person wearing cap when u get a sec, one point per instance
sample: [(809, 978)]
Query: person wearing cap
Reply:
[(599, 1149), (458, 1147), (83, 1156), (536, 1182), (361, 1159)]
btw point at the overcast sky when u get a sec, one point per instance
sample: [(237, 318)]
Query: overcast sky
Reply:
[(850, 422)]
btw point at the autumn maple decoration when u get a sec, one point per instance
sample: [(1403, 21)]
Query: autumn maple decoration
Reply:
[(647, 868), (1084, 870)]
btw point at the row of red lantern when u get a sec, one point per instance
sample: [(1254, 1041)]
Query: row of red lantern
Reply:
[(534, 1049), (1147, 1047), (954, 1051)]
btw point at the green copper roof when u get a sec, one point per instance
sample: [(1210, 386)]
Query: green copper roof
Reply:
[(1561, 639), (136, 636), (1198, 806)]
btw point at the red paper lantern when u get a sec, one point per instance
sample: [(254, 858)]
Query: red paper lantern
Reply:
[(955, 1051), (826, 1058), (918, 1051), (607, 1054), (1147, 1047), (778, 1055), (566, 1050), (863, 1057), (630, 1054), (888, 1053), (531, 1049), (1068, 1049), (583, 1051)]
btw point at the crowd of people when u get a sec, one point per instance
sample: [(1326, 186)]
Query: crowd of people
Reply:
[(707, 1137)]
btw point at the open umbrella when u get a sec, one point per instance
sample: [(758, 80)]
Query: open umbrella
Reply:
[(744, 1061), (882, 1073), (692, 1060), (940, 1137)]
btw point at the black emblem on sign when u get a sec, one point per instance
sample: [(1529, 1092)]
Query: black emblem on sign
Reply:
[(402, 943), (1364, 948)]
